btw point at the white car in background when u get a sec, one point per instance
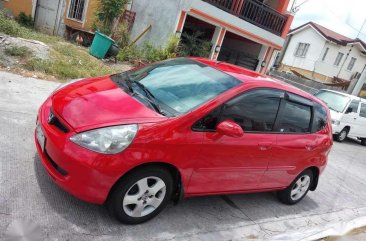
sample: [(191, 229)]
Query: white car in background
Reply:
[(348, 113)]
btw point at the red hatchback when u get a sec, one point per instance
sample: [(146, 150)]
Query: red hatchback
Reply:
[(181, 128)]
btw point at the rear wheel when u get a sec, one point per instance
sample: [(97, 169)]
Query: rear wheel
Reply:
[(141, 195), (341, 136), (298, 188)]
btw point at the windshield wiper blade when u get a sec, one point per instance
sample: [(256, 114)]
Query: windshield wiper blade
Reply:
[(150, 97)]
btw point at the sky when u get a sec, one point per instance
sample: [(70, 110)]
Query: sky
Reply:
[(343, 16)]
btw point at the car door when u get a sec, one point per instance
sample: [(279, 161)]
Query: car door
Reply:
[(350, 117), (234, 164), (295, 142), (361, 122)]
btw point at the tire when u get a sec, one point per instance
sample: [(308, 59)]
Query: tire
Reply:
[(290, 196), (341, 136), (141, 195), (363, 141)]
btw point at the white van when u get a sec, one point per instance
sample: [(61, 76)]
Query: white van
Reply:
[(348, 113)]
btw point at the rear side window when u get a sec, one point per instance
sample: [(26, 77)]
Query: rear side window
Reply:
[(363, 110), (295, 118), (320, 118), (255, 110)]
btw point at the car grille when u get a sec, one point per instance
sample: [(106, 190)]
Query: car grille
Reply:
[(53, 120)]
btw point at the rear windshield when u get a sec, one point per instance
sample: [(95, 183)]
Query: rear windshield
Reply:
[(334, 101), (180, 85)]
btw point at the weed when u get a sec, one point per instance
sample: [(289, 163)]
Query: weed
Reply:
[(18, 51)]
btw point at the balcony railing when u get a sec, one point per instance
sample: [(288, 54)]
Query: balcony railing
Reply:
[(254, 12)]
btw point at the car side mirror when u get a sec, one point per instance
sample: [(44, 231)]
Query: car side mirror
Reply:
[(349, 110), (229, 128)]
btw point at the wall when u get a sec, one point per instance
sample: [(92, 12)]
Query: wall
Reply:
[(17, 6), (328, 68), (316, 41), (88, 19), (161, 14)]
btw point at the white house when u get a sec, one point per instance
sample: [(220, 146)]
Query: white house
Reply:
[(320, 53)]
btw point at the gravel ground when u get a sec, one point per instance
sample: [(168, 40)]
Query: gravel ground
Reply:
[(27, 192)]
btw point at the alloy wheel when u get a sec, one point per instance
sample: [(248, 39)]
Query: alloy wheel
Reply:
[(300, 188)]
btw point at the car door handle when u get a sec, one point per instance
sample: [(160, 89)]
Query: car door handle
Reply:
[(310, 147), (264, 146)]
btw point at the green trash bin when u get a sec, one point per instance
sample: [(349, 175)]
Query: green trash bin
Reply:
[(100, 46)]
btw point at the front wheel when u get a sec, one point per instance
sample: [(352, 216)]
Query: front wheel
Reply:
[(298, 188), (341, 136), (141, 195)]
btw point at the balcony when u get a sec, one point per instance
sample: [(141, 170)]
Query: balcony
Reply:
[(254, 12)]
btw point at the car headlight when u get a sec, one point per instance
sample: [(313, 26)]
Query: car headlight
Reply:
[(66, 84), (335, 122), (109, 140)]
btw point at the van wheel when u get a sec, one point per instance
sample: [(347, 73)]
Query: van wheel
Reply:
[(298, 188), (141, 195), (363, 141), (342, 135)]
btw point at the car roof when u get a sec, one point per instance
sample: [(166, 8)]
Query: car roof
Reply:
[(353, 97), (246, 76)]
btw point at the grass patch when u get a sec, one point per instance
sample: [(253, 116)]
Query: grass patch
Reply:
[(18, 51)]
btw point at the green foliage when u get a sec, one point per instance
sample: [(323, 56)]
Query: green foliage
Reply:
[(25, 20), (122, 36), (148, 53), (195, 45), (8, 26), (107, 12), (18, 51)]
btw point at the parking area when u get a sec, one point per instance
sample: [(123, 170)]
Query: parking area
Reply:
[(27, 192)]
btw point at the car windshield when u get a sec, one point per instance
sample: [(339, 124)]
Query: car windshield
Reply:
[(334, 101), (181, 85)]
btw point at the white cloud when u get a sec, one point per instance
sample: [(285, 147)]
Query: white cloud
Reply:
[(337, 15)]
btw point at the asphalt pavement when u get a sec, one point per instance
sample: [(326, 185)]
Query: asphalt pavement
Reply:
[(28, 194)]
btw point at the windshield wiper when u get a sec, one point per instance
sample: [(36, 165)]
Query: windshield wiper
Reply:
[(150, 97)]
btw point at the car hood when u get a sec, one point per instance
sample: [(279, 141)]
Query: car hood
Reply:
[(335, 115), (99, 102)]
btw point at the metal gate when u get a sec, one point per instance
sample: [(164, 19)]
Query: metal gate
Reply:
[(238, 58), (48, 16)]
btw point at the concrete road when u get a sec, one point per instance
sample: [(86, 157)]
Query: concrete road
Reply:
[(27, 193)]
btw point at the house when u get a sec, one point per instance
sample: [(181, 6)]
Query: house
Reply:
[(243, 32), (248, 33), (320, 53)]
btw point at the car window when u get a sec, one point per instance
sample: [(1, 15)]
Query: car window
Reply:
[(354, 105), (320, 118), (363, 110), (255, 110), (295, 118), (334, 101), (209, 122)]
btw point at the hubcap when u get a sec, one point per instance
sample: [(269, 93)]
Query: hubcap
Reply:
[(300, 187), (343, 135), (144, 197)]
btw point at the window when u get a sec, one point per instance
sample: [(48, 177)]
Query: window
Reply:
[(334, 101), (320, 118), (295, 118), (351, 63), (325, 54), (338, 59), (363, 110), (302, 49), (354, 106), (76, 10), (255, 110)]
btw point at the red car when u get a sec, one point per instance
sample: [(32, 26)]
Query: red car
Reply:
[(181, 128)]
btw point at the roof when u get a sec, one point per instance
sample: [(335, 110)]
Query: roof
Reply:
[(331, 35), (353, 97)]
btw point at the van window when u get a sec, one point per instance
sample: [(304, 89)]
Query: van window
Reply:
[(320, 118), (363, 110), (334, 101), (295, 118), (354, 105)]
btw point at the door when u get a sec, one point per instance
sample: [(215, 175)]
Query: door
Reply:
[(47, 15), (361, 122), (234, 164), (295, 142), (350, 117)]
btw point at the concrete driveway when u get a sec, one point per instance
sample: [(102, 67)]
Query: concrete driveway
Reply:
[(27, 193)]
